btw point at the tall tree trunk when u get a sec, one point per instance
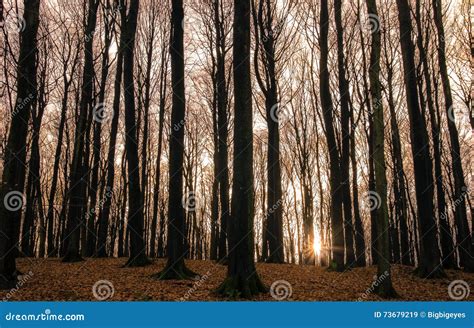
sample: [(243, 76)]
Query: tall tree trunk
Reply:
[(464, 239), (447, 250), (137, 256), (104, 213), (175, 267), (384, 288), (77, 202), (156, 193), (334, 174), (344, 95), (242, 278), (263, 19), (13, 177), (223, 128), (359, 228), (429, 264)]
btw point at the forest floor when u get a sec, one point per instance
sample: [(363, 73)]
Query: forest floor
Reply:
[(49, 279)]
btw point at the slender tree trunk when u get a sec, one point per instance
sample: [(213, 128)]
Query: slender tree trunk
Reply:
[(346, 135), (359, 228), (104, 213), (334, 174)]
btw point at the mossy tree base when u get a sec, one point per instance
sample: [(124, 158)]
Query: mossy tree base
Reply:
[(241, 287), (137, 261), (176, 272), (72, 257), (335, 267)]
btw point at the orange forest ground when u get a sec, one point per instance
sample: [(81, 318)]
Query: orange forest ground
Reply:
[(49, 279)]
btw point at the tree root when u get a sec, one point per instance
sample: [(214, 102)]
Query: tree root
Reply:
[(241, 287)]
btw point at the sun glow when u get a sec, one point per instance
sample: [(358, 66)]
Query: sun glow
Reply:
[(317, 246)]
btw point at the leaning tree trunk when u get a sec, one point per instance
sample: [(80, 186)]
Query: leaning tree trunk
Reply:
[(242, 278), (429, 264), (13, 177)]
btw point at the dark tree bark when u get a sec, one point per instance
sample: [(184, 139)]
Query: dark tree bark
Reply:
[(156, 194), (384, 288), (359, 228), (334, 174), (242, 279), (67, 82), (13, 177), (175, 267), (33, 186), (447, 250), (222, 127), (344, 95), (137, 256), (98, 120), (77, 202), (104, 213), (464, 239), (265, 41), (429, 264)]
